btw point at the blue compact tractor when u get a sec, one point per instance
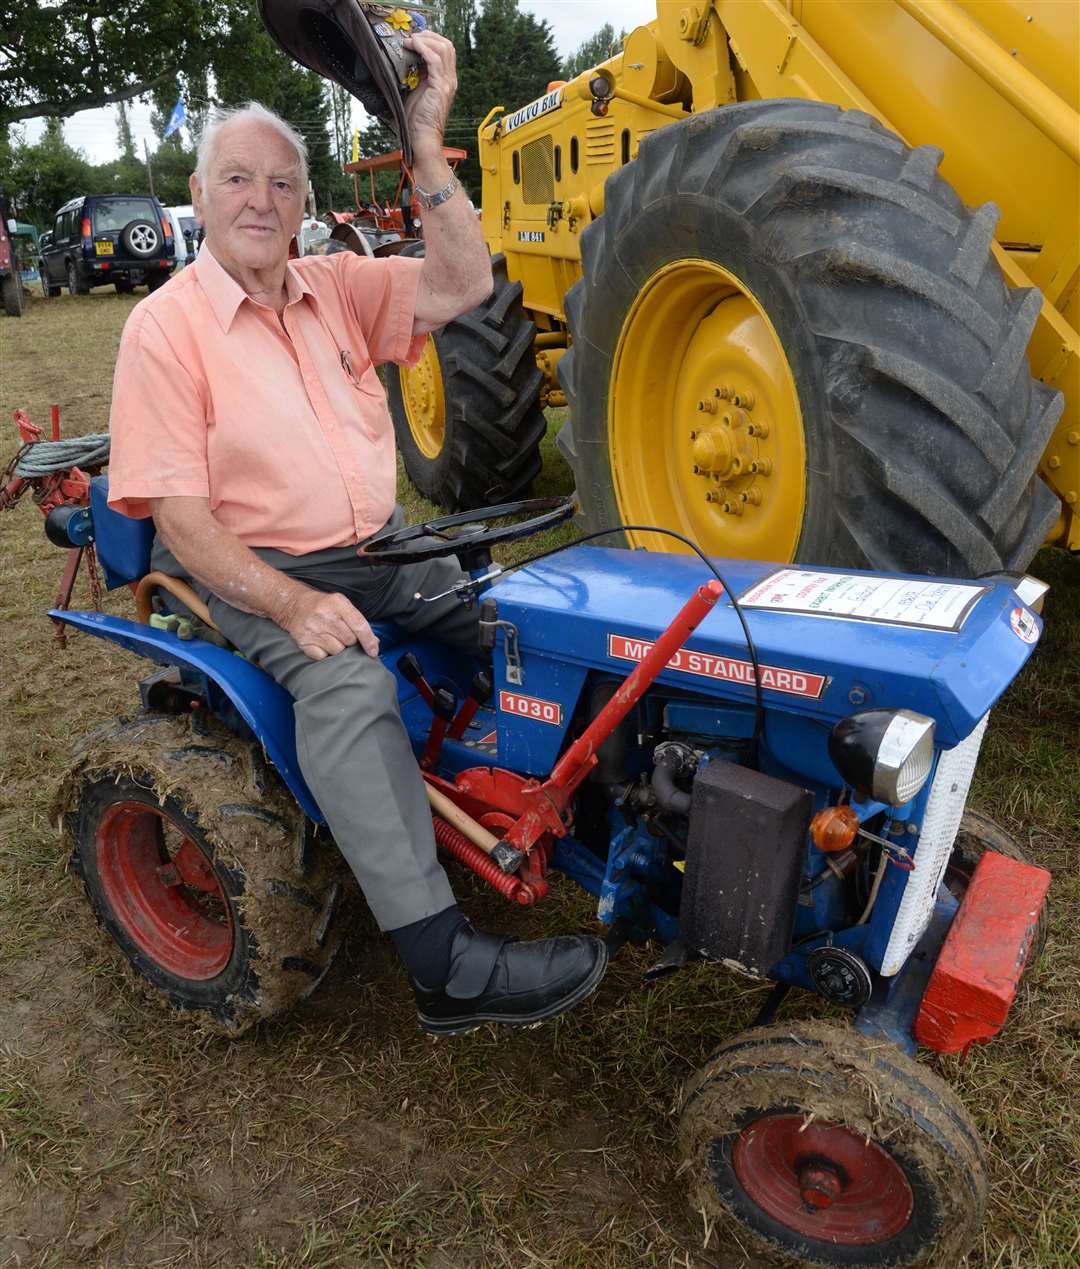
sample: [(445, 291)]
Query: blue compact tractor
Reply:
[(764, 767)]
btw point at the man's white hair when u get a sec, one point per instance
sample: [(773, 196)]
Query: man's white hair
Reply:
[(256, 113)]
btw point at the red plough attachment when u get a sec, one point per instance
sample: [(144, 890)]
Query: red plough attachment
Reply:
[(974, 981), (527, 814)]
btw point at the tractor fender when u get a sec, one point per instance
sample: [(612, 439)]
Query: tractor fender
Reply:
[(263, 704)]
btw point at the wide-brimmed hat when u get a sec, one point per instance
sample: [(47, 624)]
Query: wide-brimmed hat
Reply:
[(336, 39)]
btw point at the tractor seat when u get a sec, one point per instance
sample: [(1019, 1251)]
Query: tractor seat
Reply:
[(123, 548)]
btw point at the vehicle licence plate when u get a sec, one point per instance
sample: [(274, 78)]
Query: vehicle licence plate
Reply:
[(103, 248)]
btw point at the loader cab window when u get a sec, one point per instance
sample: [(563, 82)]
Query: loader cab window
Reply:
[(625, 145), (515, 163), (573, 154), (558, 163)]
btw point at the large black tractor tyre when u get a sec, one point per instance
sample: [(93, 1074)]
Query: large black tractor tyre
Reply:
[(921, 425), (201, 866), (811, 1145), (11, 294), (468, 417)]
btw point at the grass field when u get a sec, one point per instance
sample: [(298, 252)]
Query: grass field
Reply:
[(339, 1135)]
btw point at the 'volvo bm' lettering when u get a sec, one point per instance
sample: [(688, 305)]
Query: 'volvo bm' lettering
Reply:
[(710, 666)]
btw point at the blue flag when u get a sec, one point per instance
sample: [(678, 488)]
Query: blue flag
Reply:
[(176, 119)]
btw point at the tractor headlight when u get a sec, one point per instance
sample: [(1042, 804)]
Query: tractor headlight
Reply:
[(887, 753)]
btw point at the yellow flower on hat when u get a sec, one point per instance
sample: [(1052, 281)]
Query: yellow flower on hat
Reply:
[(412, 77), (400, 20)]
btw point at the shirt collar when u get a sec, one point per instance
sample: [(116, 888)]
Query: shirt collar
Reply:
[(226, 294)]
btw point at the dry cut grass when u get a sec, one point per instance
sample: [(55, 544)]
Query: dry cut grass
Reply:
[(339, 1135)]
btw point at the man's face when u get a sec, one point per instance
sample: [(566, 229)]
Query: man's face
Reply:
[(251, 203)]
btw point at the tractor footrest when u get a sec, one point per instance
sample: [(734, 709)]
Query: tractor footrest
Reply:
[(973, 984)]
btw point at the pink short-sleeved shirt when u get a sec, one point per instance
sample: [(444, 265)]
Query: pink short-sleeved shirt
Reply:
[(214, 397)]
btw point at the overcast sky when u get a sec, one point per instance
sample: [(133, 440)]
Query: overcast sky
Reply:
[(573, 22)]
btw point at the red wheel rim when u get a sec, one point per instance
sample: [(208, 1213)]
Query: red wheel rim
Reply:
[(822, 1180), (163, 891)]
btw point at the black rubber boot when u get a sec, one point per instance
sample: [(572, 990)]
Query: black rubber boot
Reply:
[(496, 979)]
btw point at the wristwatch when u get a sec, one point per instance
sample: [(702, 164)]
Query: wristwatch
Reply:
[(426, 201)]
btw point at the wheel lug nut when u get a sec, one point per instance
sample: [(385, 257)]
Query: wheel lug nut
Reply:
[(761, 467), (707, 406), (751, 496)]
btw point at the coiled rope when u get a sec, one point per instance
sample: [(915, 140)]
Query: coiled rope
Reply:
[(42, 458)]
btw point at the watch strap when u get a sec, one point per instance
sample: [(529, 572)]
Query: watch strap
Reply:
[(427, 200)]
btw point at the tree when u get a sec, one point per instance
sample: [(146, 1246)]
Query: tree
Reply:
[(595, 50), (43, 176), (61, 57), (510, 58)]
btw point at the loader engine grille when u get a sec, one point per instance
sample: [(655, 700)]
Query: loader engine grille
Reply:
[(537, 172), (944, 807)]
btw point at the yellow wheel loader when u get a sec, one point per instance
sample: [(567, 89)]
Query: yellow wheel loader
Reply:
[(805, 273)]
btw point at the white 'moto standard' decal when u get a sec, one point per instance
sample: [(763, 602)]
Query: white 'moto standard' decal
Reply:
[(531, 707), (710, 666), (549, 101)]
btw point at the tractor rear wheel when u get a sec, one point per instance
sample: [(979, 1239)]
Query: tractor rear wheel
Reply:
[(811, 1144), (198, 863), (11, 293), (467, 415), (791, 342)]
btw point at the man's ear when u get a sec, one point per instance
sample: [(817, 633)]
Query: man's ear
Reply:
[(196, 196)]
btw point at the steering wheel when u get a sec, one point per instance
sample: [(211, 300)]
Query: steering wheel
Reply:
[(470, 535)]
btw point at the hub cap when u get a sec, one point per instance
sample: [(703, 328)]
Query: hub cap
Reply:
[(143, 239), (705, 430), (422, 393), (164, 891), (822, 1180)]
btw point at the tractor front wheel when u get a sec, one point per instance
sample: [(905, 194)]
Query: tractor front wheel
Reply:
[(467, 415), (812, 1144), (198, 863), (791, 341)]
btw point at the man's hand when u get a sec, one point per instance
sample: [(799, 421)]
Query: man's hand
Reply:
[(323, 624), (428, 105)]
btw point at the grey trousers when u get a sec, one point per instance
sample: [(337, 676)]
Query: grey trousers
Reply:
[(352, 746)]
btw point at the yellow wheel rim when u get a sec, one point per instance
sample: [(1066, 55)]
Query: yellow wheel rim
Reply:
[(422, 393), (705, 432)]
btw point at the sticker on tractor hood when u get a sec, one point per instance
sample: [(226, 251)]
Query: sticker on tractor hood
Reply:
[(531, 707), (1024, 625), (890, 601), (710, 666), (549, 101)]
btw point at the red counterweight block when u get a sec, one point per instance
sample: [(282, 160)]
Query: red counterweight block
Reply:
[(975, 979)]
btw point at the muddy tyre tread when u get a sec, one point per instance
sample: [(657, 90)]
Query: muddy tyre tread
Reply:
[(285, 896), (902, 333), (491, 390), (869, 1086)]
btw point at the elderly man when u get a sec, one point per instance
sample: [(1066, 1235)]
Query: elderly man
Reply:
[(248, 420)]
